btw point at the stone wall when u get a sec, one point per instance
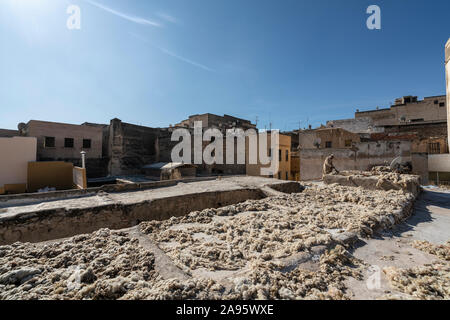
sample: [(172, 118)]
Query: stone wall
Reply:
[(132, 146)]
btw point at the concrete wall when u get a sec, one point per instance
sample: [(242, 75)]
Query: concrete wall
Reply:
[(16, 152), (439, 162), (363, 157), (52, 174), (419, 162)]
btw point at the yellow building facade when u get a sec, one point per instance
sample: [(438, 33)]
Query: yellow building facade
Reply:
[(284, 157)]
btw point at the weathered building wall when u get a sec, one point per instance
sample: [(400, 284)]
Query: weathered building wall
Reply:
[(16, 152), (425, 137), (428, 109), (214, 121), (357, 125), (362, 157), (322, 138), (59, 151), (132, 146)]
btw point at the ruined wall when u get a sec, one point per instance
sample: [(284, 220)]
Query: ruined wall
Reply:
[(363, 157), (131, 147)]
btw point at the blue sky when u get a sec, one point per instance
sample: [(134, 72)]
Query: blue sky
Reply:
[(156, 62)]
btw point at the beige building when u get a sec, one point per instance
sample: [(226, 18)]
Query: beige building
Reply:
[(16, 152), (63, 141), (327, 138), (408, 109), (283, 153)]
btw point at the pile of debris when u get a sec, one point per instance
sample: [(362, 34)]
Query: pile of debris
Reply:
[(428, 282), (282, 247)]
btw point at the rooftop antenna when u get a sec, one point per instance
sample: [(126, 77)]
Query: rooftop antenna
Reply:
[(256, 121)]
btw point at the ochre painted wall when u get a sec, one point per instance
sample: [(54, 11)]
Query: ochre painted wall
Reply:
[(52, 174)]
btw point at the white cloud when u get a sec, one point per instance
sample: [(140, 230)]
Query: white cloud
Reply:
[(131, 18), (173, 55)]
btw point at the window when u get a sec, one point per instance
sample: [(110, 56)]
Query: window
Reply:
[(287, 155), (442, 104), (49, 142), (270, 153), (279, 175), (287, 175), (86, 143), (279, 156), (348, 143), (328, 144), (434, 148), (436, 101), (68, 142)]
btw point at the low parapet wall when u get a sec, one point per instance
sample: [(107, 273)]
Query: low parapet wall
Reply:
[(60, 223), (87, 215), (367, 180)]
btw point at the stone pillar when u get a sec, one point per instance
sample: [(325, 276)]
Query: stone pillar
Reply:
[(447, 72)]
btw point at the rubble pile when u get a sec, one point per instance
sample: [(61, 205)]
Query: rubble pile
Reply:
[(102, 265), (431, 281), (262, 246), (273, 228), (442, 250)]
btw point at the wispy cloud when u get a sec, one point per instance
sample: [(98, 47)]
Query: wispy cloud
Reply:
[(172, 54), (167, 17), (125, 16)]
